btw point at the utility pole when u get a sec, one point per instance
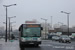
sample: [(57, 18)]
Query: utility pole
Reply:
[(9, 28), (6, 19), (67, 20), (9, 24)]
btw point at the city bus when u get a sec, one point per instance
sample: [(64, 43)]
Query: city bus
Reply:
[(30, 34)]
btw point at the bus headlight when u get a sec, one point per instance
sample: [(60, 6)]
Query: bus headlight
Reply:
[(23, 39), (39, 39)]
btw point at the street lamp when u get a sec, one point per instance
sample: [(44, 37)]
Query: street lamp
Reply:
[(9, 5), (11, 27), (6, 19), (45, 25), (9, 24), (67, 20)]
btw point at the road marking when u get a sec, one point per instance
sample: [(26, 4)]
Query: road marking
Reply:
[(63, 47), (58, 46), (45, 45), (69, 47), (62, 44)]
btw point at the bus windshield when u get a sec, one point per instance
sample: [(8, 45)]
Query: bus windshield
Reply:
[(31, 32)]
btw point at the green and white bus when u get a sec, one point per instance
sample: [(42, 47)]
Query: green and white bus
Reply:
[(30, 34)]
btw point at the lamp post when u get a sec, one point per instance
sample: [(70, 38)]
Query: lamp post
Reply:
[(45, 25), (6, 19), (67, 20), (9, 24), (11, 27)]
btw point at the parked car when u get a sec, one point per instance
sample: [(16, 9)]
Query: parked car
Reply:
[(56, 38), (65, 38), (50, 36)]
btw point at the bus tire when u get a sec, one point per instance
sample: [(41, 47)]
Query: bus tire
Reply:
[(21, 46)]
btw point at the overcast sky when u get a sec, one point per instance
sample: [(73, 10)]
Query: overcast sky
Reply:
[(36, 9)]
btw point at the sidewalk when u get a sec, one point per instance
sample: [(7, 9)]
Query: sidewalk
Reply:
[(9, 45)]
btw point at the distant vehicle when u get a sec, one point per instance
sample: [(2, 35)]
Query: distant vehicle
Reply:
[(50, 36), (65, 38), (71, 37), (30, 34), (56, 38)]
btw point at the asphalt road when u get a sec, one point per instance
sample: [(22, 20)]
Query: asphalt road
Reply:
[(46, 45)]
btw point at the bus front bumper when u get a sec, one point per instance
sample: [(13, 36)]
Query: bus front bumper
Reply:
[(30, 42)]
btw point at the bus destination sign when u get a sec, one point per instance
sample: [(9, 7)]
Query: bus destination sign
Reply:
[(32, 26)]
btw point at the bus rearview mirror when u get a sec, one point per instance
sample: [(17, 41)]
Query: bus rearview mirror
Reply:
[(41, 28)]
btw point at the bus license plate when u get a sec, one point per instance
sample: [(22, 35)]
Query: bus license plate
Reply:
[(31, 43)]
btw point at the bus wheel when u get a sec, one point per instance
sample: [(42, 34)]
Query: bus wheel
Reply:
[(21, 46)]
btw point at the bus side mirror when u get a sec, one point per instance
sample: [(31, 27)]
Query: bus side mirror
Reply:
[(19, 29), (41, 28)]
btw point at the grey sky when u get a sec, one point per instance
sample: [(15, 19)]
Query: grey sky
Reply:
[(36, 9)]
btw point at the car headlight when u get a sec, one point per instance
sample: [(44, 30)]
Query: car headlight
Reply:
[(23, 39), (39, 39)]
